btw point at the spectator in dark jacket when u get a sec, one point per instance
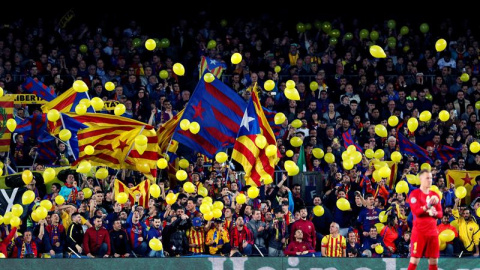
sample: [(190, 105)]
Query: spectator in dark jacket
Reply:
[(120, 247)]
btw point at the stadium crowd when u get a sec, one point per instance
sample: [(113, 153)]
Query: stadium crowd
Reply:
[(356, 92)]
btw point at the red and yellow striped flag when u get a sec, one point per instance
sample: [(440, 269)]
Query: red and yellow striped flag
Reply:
[(143, 188), (6, 112), (165, 133), (66, 102), (254, 160)]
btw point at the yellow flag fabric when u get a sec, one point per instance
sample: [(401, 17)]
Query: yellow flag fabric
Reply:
[(142, 188), (165, 133), (463, 178), (6, 112)]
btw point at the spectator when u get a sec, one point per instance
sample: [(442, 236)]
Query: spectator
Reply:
[(97, 240), (241, 239), (299, 247), (334, 244), (119, 242)]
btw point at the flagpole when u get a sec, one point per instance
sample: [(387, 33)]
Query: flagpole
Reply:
[(68, 142), (88, 96), (133, 144)]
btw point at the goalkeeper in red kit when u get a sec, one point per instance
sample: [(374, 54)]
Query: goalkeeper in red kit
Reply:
[(426, 209)]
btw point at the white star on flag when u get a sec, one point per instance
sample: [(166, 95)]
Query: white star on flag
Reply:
[(246, 120), (213, 62)]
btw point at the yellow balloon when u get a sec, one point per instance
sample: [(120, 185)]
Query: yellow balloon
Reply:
[(84, 167), (205, 208), (290, 84), (402, 187), (329, 158), (384, 172), (382, 217), (183, 163), (297, 123), (377, 52), (194, 127), (181, 175), (80, 86), (221, 157), (267, 179), (97, 103), (369, 153), (27, 177), (122, 197), (85, 101), (15, 221), (162, 163), (17, 210), (343, 204), (318, 153), (379, 154), (379, 227), (478, 214), (447, 235), (356, 157), (47, 204), (141, 140), (119, 109), (208, 216), (236, 58), (412, 124), (28, 197), (348, 164), (261, 141), (109, 86), (241, 198), (294, 171), (396, 156), (464, 77), (154, 191), (279, 118), (379, 249), (393, 121), (440, 45), (209, 77), (269, 85), (425, 116), (296, 141), (65, 135), (381, 130), (292, 94), (271, 150), (101, 173), (426, 166), (253, 192), (171, 198), (277, 69), (178, 69), (444, 115), (59, 200), (460, 192), (53, 115), (379, 164), (217, 213), (313, 86), (42, 212), (475, 147), (87, 192), (81, 109), (288, 165), (443, 245), (7, 217), (318, 210), (11, 125), (150, 44), (155, 244), (202, 191), (35, 216), (189, 187), (89, 149), (48, 175), (218, 205), (1, 95)]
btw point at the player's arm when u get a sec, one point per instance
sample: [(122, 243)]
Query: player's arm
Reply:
[(417, 209)]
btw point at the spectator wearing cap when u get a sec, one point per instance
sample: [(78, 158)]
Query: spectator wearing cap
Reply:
[(155, 231), (241, 239), (196, 236), (218, 239)]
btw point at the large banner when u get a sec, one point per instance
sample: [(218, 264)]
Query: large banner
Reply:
[(6, 112)]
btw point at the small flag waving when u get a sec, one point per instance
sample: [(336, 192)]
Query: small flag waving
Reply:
[(142, 189), (211, 65), (66, 102), (348, 140), (33, 86), (165, 134), (410, 148)]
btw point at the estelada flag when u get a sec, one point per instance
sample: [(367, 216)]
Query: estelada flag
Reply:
[(142, 188), (6, 112), (463, 178)]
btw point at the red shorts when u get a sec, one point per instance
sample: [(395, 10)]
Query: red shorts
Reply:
[(424, 245)]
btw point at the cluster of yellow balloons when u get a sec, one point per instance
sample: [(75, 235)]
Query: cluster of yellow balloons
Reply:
[(291, 92), (194, 127), (291, 168), (211, 210), (351, 157)]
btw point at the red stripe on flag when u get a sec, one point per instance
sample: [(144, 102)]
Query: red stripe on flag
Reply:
[(220, 136), (94, 118), (200, 141), (223, 99), (4, 142), (227, 121), (100, 131), (102, 139), (151, 155)]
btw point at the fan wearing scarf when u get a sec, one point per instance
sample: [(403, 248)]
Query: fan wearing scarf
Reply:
[(27, 246)]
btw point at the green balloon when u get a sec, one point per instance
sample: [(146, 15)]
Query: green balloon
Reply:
[(136, 42), (212, 44), (163, 74), (348, 36), (364, 34), (308, 26), (374, 35), (391, 24), (326, 27), (333, 41), (223, 23), (83, 48), (392, 44), (318, 24), (157, 42), (335, 33), (300, 27), (164, 43), (424, 28), (392, 39), (404, 30)]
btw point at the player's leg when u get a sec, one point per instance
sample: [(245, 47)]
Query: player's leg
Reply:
[(432, 263), (432, 252), (417, 246)]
